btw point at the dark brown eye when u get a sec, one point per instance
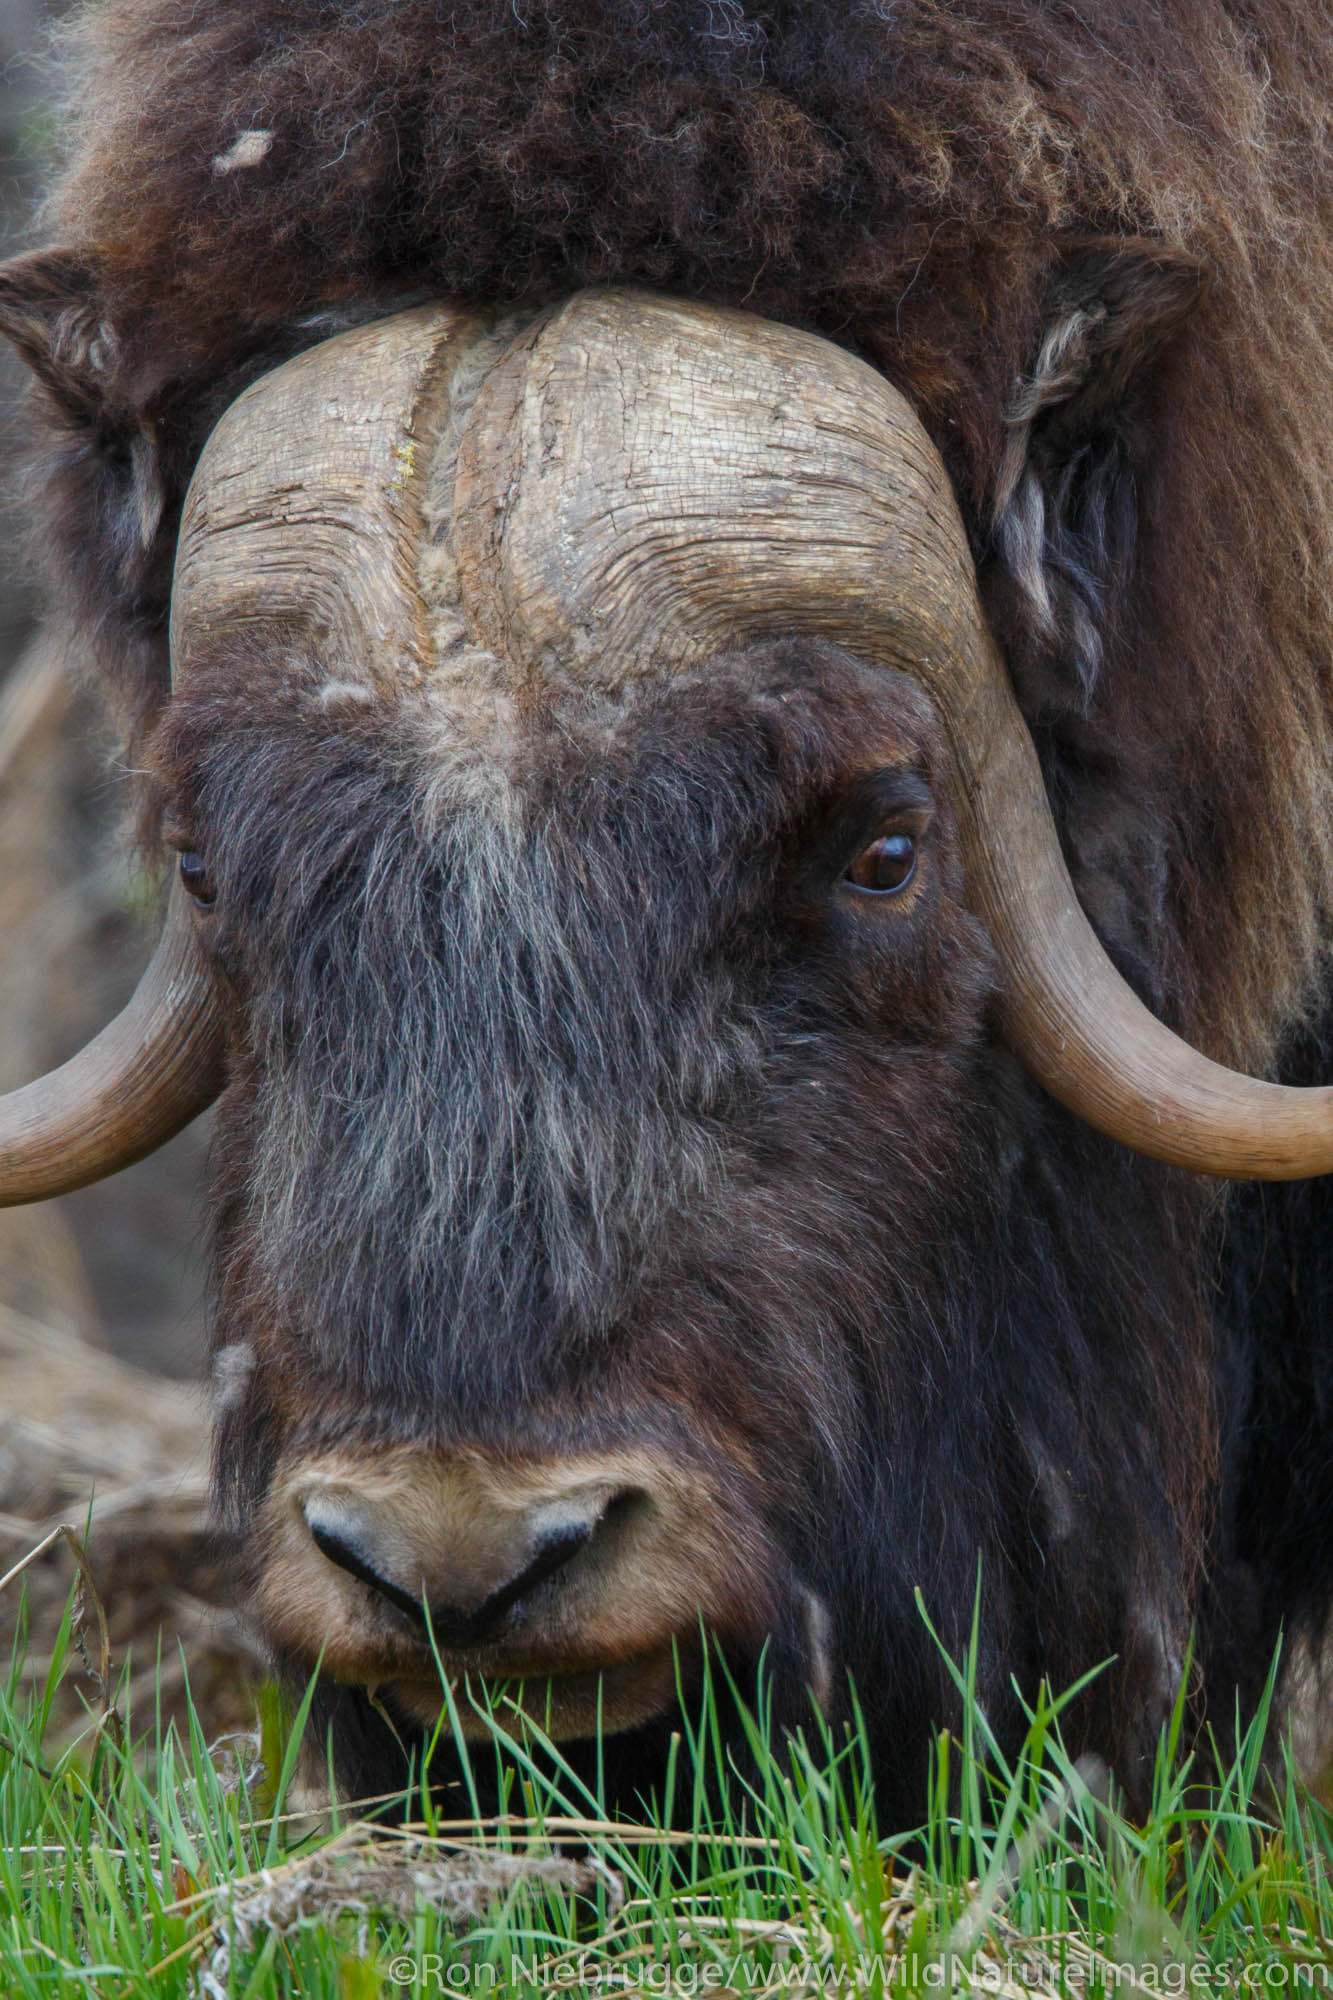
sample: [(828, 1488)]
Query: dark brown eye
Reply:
[(195, 878), (886, 866)]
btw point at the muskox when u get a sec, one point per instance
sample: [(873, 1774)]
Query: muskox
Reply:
[(727, 615)]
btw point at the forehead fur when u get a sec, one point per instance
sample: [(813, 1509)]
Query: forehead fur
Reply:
[(503, 998)]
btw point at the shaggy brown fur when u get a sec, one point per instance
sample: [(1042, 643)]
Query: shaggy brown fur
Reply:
[(1093, 248)]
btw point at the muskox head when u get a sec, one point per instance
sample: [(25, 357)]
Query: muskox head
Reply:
[(609, 852)]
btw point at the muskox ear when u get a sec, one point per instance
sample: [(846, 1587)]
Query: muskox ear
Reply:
[(1065, 514), (52, 310)]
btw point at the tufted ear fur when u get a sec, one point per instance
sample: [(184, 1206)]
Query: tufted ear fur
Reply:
[(51, 309), (1065, 513)]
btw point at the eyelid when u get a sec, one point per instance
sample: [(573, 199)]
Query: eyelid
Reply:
[(902, 819), (914, 820)]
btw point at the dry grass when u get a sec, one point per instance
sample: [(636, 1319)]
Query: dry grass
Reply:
[(119, 1455), (369, 1875)]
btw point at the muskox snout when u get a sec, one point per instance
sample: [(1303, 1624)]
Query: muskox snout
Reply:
[(583, 1581), (493, 1568)]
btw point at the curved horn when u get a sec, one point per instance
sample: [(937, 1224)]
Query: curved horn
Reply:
[(644, 481), (149, 1072)]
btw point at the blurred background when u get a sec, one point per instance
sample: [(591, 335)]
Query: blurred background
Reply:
[(102, 1292), (118, 1261)]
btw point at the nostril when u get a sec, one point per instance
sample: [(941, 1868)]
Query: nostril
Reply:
[(552, 1554), (341, 1547), (461, 1628), (623, 1507)]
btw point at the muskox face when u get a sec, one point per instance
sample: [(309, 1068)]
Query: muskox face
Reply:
[(615, 882), (588, 1162)]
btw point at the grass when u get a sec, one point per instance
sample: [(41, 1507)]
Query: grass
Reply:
[(137, 1861)]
